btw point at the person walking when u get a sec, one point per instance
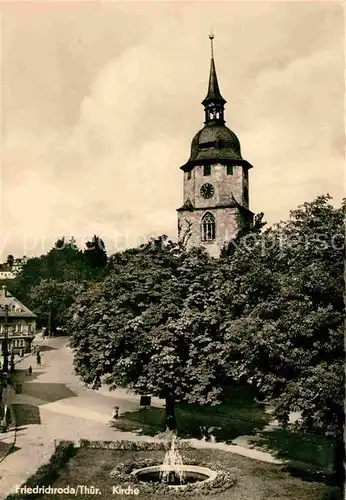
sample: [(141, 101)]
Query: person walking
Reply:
[(30, 370), (116, 413), (4, 424)]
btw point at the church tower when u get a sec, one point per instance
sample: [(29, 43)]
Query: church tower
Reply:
[(216, 181)]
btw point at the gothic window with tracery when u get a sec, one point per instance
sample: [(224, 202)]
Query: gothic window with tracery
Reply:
[(208, 227)]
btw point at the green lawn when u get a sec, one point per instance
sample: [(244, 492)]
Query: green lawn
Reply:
[(302, 450), (240, 416), (255, 480)]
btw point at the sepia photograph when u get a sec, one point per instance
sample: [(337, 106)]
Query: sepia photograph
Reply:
[(172, 292)]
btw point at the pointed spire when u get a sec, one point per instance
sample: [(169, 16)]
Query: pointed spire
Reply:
[(214, 93)]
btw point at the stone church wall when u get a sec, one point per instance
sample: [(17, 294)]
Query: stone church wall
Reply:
[(226, 227)]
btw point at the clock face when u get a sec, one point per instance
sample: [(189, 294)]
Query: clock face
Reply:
[(207, 190)]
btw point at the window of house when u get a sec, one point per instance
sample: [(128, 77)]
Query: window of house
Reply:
[(206, 170), (208, 227), (229, 169)]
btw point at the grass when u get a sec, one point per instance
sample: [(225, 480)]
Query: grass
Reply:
[(240, 416), (255, 480), (302, 450)]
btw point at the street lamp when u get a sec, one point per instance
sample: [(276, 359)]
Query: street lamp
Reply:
[(5, 342), (49, 317)]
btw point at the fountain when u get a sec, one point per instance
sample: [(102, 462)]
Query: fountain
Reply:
[(172, 468), (172, 476), (172, 472)]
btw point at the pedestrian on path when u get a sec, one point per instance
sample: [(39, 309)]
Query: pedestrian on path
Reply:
[(4, 424), (116, 413), (7, 414), (30, 370)]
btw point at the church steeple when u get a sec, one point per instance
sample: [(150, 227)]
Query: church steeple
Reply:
[(214, 102), (216, 182)]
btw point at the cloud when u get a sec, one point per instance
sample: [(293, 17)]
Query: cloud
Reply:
[(97, 149)]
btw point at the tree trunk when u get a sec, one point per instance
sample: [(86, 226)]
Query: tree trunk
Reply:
[(339, 458), (170, 413)]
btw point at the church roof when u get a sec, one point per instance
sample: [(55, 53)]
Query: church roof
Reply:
[(214, 93), (214, 142)]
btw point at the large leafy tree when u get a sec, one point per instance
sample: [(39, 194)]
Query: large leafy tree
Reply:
[(95, 254), (281, 294), (270, 312), (136, 330), (54, 298), (10, 260), (64, 263)]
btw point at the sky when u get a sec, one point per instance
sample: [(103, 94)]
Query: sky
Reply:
[(100, 102)]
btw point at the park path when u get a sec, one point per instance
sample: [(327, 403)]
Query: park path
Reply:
[(55, 405)]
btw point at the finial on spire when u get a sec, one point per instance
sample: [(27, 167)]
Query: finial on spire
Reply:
[(214, 97), (211, 38)]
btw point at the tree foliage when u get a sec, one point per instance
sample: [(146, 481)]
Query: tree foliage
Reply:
[(282, 299), (58, 276), (135, 328), (95, 254), (270, 311), (283, 309), (54, 298)]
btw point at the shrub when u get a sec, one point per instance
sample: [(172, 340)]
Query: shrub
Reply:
[(131, 445), (224, 479), (333, 493)]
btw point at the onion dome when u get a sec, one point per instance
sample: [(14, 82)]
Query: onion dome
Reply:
[(214, 142)]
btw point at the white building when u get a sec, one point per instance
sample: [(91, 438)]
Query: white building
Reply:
[(18, 322)]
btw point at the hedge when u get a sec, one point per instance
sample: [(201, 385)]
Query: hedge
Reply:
[(132, 445)]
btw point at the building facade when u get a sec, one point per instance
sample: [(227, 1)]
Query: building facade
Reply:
[(216, 180), (6, 272), (12, 268), (17, 324)]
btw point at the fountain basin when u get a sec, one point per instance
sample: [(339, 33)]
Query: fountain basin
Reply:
[(193, 474)]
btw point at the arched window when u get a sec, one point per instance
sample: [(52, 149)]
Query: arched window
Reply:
[(208, 227)]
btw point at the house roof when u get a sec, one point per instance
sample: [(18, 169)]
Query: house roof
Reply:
[(15, 308)]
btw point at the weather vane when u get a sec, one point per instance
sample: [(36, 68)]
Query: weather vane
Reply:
[(211, 38)]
